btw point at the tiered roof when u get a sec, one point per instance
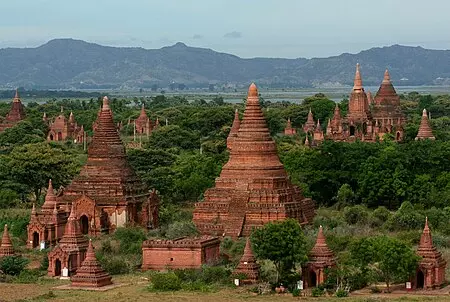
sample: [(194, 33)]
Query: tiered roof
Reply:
[(320, 253), (91, 274), (50, 198), (310, 124), (425, 131), (6, 247), (247, 265), (386, 93), (358, 106), (15, 115), (430, 255), (73, 239)]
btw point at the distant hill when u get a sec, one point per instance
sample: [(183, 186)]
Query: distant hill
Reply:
[(75, 64)]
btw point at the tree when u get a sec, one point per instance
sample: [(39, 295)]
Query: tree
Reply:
[(281, 242), (32, 165), (390, 258)]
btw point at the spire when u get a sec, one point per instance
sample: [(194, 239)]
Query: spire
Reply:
[(62, 109), (320, 241), (236, 123), (247, 265), (357, 83), (143, 113), (318, 127), (387, 77), (6, 247), (44, 117), (320, 251), (425, 131), (248, 252), (426, 240), (16, 96), (306, 140), (50, 197), (252, 90), (310, 118), (310, 124), (72, 232), (105, 106), (369, 97), (71, 118), (33, 210)]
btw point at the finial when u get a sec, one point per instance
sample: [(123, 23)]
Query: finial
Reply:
[(357, 85), (33, 210), (16, 96), (252, 90), (105, 103), (387, 77), (424, 113)]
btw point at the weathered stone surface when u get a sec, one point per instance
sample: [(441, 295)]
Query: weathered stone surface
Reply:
[(15, 115), (181, 253), (90, 274), (247, 265), (425, 131), (253, 187)]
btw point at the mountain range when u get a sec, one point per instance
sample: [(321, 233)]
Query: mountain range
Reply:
[(76, 64)]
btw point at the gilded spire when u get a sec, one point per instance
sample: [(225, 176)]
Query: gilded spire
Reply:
[(357, 85)]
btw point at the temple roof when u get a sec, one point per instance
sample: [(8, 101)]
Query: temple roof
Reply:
[(357, 82), (320, 252), (50, 197), (73, 239), (429, 253), (425, 131), (310, 124), (247, 264), (16, 113), (6, 247), (288, 123), (386, 92)]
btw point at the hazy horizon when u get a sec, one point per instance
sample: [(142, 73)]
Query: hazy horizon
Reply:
[(247, 29)]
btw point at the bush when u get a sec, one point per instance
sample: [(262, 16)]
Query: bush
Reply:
[(181, 229), (356, 214), (341, 293), (406, 218), (215, 274), (28, 276), (115, 265), (296, 292), (44, 263), (381, 213), (165, 282), (375, 290), (130, 239), (317, 292), (13, 265)]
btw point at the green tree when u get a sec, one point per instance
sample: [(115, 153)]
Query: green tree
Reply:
[(281, 242)]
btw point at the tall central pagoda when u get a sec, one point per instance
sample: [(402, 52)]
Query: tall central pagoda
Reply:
[(253, 187)]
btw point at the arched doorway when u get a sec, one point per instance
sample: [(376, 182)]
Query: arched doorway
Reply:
[(312, 279), (35, 240), (398, 136), (59, 136), (364, 128), (104, 222), (51, 137), (352, 130), (58, 267), (84, 222), (420, 280)]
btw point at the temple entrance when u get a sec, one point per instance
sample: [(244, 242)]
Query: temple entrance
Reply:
[(312, 279), (84, 221), (420, 280), (51, 137), (364, 128), (398, 136), (35, 240), (104, 222), (57, 267), (59, 136), (352, 130)]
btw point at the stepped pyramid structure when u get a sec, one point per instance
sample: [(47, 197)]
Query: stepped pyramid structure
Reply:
[(320, 258), (70, 251), (234, 129), (431, 270), (90, 274), (15, 115), (253, 187), (425, 131), (288, 130), (247, 265), (6, 247), (143, 123)]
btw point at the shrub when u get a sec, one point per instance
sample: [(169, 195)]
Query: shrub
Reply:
[(317, 292), (13, 265), (381, 213), (106, 247), (296, 292), (215, 274), (406, 218), (341, 293), (181, 229), (356, 214), (115, 265), (130, 239), (44, 263), (165, 282), (375, 290), (28, 276)]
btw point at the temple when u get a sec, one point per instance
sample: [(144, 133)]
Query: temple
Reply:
[(90, 274), (70, 251), (247, 265), (425, 131), (253, 187), (310, 125), (62, 129), (143, 123), (320, 259), (181, 253), (6, 247), (15, 115), (105, 195), (431, 271), (368, 119), (288, 130)]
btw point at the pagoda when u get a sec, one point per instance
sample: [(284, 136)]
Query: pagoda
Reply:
[(143, 123), (320, 259), (310, 125), (6, 247), (90, 274), (318, 134), (234, 129), (107, 193), (425, 131), (247, 265), (253, 187), (431, 270), (15, 115), (62, 129), (288, 130), (71, 249)]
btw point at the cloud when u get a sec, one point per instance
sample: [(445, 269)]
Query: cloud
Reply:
[(233, 35), (197, 37)]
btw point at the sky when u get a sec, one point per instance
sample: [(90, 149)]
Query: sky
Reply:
[(247, 28)]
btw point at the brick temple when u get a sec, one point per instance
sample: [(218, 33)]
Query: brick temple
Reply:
[(6, 247), (368, 119), (15, 115), (431, 271), (288, 130), (105, 195), (247, 265), (320, 258), (253, 187), (143, 123), (425, 131), (62, 129)]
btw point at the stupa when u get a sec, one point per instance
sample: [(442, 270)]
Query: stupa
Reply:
[(253, 187), (6, 247), (90, 274), (62, 129), (143, 123), (247, 265), (320, 258), (425, 131), (431, 270), (71, 249), (310, 125), (15, 115), (288, 130)]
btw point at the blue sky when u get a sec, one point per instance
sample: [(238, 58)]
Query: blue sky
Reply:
[(248, 28)]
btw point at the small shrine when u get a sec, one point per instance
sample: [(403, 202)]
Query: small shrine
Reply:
[(320, 259), (288, 130), (143, 123), (247, 265), (425, 131), (62, 129), (431, 271), (15, 115), (70, 251), (6, 247), (90, 274)]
